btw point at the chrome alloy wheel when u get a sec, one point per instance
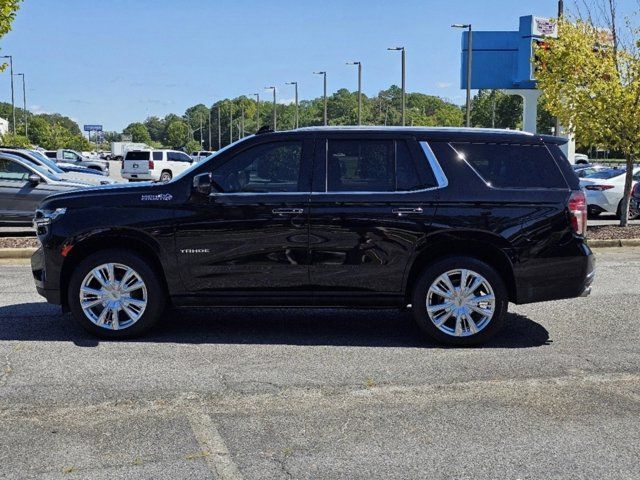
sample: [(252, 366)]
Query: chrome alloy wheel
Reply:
[(460, 303), (113, 296)]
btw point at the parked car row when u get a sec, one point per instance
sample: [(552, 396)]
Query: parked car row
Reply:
[(75, 158), (604, 189), (452, 224)]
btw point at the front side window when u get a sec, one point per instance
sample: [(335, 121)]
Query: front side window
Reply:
[(371, 166), (267, 168), (509, 165), (10, 170), (68, 155)]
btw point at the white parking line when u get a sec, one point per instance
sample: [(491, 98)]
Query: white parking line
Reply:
[(214, 450)]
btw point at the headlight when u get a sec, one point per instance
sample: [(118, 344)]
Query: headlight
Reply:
[(45, 217)]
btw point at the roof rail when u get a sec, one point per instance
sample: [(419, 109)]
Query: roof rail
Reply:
[(264, 129)]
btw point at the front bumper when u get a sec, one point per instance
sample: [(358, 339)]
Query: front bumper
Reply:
[(43, 286)]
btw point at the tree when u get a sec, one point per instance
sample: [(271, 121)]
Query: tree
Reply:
[(177, 133), (10, 139), (138, 132), (8, 10), (156, 128), (591, 81)]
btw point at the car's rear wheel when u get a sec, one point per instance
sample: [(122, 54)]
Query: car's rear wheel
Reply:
[(633, 213), (460, 301), (166, 176), (115, 294)]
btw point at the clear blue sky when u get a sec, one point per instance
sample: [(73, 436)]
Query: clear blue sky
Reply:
[(117, 61)]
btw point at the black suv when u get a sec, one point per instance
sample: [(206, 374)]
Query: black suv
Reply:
[(452, 223)]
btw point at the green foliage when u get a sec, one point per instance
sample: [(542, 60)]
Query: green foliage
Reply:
[(8, 9), (9, 139), (177, 134), (138, 132), (593, 86)]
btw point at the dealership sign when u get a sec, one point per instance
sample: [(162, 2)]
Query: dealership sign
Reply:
[(544, 27), (93, 128)]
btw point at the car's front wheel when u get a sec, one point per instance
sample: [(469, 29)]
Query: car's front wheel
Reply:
[(115, 294), (460, 301)]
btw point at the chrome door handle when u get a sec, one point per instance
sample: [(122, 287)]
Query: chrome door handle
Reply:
[(287, 211), (407, 211)]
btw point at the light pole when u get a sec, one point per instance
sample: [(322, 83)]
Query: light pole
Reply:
[(210, 146), (219, 128), (257, 95), (274, 106), (359, 64), (297, 119), (560, 17), (401, 49), (469, 57), (230, 122), (324, 96), (13, 101), (24, 105)]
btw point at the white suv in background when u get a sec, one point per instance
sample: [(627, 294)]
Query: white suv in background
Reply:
[(155, 165)]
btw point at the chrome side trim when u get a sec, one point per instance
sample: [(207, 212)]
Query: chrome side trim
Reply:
[(441, 178)]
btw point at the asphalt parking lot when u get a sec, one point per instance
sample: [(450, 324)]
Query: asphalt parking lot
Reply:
[(245, 393)]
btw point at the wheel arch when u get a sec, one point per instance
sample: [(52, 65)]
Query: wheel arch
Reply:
[(132, 241), (488, 249)]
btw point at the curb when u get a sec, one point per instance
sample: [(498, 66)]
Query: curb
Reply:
[(12, 253), (629, 242)]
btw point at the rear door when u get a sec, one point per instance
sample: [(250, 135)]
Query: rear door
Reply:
[(373, 201)]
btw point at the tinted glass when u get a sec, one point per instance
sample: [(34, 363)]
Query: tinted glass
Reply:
[(51, 154), (371, 166), (508, 165), (137, 156), (271, 167), (10, 170), (183, 157), (157, 156)]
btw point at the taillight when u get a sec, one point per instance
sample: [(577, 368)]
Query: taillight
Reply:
[(599, 188), (578, 212), (150, 164)]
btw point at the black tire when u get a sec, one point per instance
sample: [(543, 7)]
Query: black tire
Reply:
[(166, 176), (156, 296), (592, 212), (432, 272), (632, 213)]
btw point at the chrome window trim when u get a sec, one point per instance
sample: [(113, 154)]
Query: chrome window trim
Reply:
[(441, 179)]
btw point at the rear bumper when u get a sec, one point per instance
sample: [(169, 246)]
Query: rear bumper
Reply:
[(142, 177), (556, 278)]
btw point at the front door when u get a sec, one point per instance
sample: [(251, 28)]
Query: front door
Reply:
[(253, 233), (372, 203), (19, 197)]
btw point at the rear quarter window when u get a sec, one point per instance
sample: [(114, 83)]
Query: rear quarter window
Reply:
[(510, 165)]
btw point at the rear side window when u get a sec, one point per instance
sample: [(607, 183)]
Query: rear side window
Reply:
[(157, 156), (137, 156), (371, 166), (509, 165)]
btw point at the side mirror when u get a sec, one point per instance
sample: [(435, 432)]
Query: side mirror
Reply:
[(34, 179), (202, 184)]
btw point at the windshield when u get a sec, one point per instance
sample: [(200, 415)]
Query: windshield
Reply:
[(46, 161), (606, 174), (209, 158)]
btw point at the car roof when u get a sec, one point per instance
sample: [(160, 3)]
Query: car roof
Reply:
[(435, 133)]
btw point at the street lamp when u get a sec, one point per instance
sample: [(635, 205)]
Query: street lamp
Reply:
[(324, 74), (274, 106), (469, 56), (257, 95), (24, 105), (401, 49), (295, 84), (230, 122), (219, 128), (359, 64), (13, 102)]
